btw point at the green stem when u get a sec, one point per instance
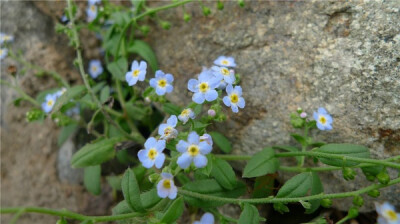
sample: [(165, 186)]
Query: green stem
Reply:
[(21, 92), (343, 220), (68, 214), (303, 147), (286, 200), (233, 157)]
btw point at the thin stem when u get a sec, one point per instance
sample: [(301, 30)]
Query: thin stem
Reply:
[(343, 220), (68, 214), (233, 157), (16, 216), (303, 147), (286, 200), (21, 92)]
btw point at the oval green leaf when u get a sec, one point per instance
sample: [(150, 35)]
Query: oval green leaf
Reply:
[(349, 150), (261, 163)]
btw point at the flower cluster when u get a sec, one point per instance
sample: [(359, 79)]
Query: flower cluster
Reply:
[(387, 214), (4, 38), (50, 100)]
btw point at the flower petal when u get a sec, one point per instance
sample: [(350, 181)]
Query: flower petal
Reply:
[(172, 121), (150, 143), (192, 84), (322, 110), (142, 155), (161, 191), (235, 109), (162, 128), (143, 65), (153, 83), (169, 88), (160, 160), (205, 148), (207, 218), (198, 98), (135, 65), (160, 145), (167, 176), (200, 161), (182, 146), (238, 90), (229, 89), (160, 91), (148, 163), (169, 78), (184, 160), (211, 95), (173, 192), (226, 101), (159, 74), (241, 102)]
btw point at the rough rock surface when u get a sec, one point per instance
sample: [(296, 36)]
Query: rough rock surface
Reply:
[(344, 56)]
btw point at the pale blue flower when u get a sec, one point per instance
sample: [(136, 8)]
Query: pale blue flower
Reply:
[(93, 2), (49, 102), (166, 187), (323, 119), (137, 72), (162, 83), (234, 98), (207, 218), (168, 131), (204, 87), (91, 12), (186, 114), (227, 75), (206, 138), (64, 19), (5, 38), (225, 61), (193, 150), (152, 153), (61, 92), (387, 214), (3, 53), (95, 68)]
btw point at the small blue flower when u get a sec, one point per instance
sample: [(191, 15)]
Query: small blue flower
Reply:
[(168, 131), (207, 218), (186, 114), (387, 214), (49, 102), (3, 53), (193, 150), (137, 72), (166, 187), (91, 12), (228, 75), (64, 19), (204, 87), (324, 120), (234, 98), (5, 38), (206, 138), (93, 2), (152, 154), (225, 61), (61, 92), (162, 83), (95, 68)]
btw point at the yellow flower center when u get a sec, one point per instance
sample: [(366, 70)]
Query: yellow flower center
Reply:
[(193, 150), (322, 119), (167, 131), (152, 153), (185, 112), (92, 8), (203, 87), (94, 68), (167, 184), (1, 51), (6, 38), (162, 83), (225, 71), (225, 62), (391, 215), (234, 98), (50, 103), (135, 73)]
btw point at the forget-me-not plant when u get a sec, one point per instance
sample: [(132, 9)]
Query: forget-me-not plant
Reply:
[(186, 114), (207, 218), (168, 131), (137, 72), (387, 214), (3, 53), (91, 12), (193, 150), (49, 102), (152, 154), (166, 187), (204, 87), (234, 98), (324, 120), (225, 61), (95, 68), (227, 75), (162, 83)]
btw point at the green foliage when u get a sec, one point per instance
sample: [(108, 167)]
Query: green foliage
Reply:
[(118, 68), (91, 179), (349, 150), (146, 52), (66, 132), (221, 141), (131, 191), (249, 215), (261, 163), (174, 211), (223, 173)]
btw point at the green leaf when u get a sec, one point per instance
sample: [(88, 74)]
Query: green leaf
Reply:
[(115, 182), (316, 188), (300, 139), (349, 150), (208, 168), (118, 68), (136, 112), (249, 215), (94, 153), (197, 108), (42, 95), (144, 50), (223, 173), (150, 198), (66, 131), (70, 94), (289, 149), (174, 211), (91, 179), (372, 170), (121, 208), (263, 186), (221, 141), (104, 94), (131, 191), (261, 163), (296, 186), (172, 109)]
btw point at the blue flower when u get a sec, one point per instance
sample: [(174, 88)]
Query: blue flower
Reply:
[(324, 120), (225, 61), (49, 102), (227, 75), (166, 186), (61, 92), (206, 138), (207, 218), (234, 98), (204, 87), (152, 154), (137, 72), (91, 12), (387, 214), (5, 38), (193, 150), (3, 53), (162, 83), (95, 68), (168, 131), (93, 2), (186, 114)]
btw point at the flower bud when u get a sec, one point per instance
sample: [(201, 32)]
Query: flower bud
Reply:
[(153, 178), (348, 173), (370, 177), (241, 3), (145, 29), (296, 121), (383, 177), (353, 212), (303, 115), (61, 221), (326, 203), (374, 193), (281, 208), (34, 115), (211, 113), (299, 110), (165, 25), (187, 17), (358, 201), (220, 5), (206, 11)]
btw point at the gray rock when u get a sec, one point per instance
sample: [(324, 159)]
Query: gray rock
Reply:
[(66, 173), (344, 56)]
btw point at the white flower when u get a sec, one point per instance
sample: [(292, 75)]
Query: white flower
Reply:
[(61, 92), (225, 61), (152, 154), (166, 186), (95, 68), (162, 83), (387, 214), (234, 98), (168, 131), (207, 218), (186, 114), (4, 38), (193, 150), (50, 100), (137, 72), (91, 12), (207, 138)]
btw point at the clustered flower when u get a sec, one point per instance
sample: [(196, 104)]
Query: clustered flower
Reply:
[(50, 100), (387, 214)]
